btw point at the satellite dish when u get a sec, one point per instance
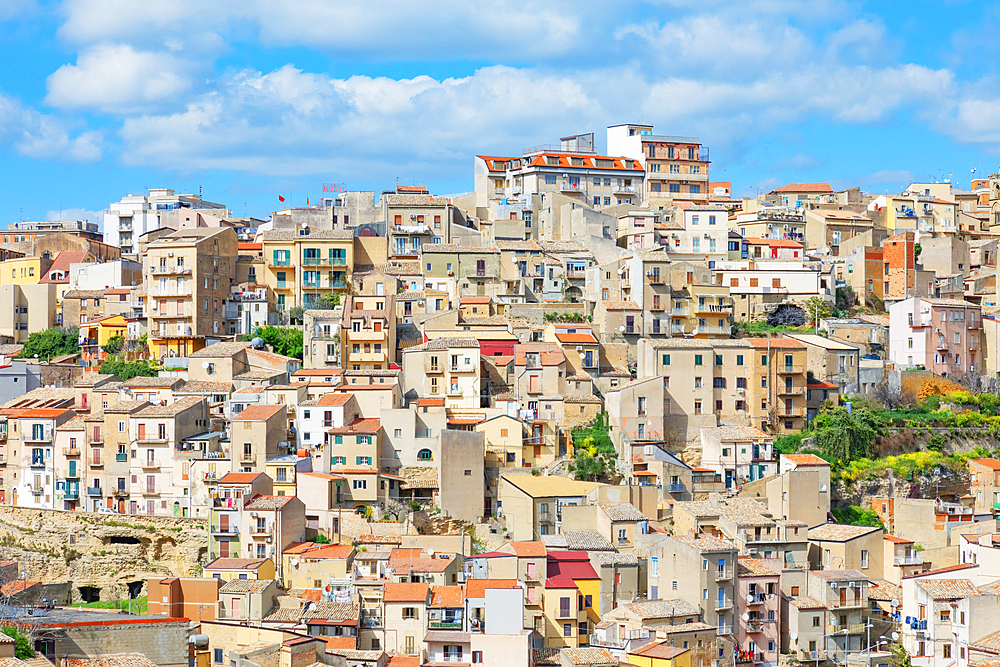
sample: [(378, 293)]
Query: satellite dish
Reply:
[(311, 606), (793, 635), (513, 258), (622, 328), (204, 364), (583, 355), (833, 621), (895, 635), (894, 603), (750, 598), (746, 617), (257, 342)]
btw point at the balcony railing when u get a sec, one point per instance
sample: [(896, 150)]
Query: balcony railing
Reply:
[(71, 451), (164, 269), (94, 491), (915, 559), (790, 369), (723, 603), (225, 530), (262, 530), (675, 488), (121, 457), (723, 573), (445, 625)]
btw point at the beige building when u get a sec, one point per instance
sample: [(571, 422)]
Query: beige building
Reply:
[(831, 361), (984, 482), (301, 268), (269, 525), (32, 308), (368, 332), (259, 433), (188, 276), (841, 547), (444, 368), (321, 339), (532, 506)]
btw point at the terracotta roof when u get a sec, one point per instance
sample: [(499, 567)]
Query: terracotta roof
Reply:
[(447, 596), (239, 477), (805, 459), (992, 464), (947, 589), (259, 412), (660, 650), (246, 586), (527, 549), (358, 426), (268, 502), (576, 338), (405, 592), (662, 608), (805, 602), (236, 563), (896, 540), (476, 588), (327, 551), (216, 350), (334, 399), (619, 305), (751, 567), (61, 263), (590, 656), (781, 343)]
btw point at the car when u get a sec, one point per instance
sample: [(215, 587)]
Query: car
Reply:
[(106, 510)]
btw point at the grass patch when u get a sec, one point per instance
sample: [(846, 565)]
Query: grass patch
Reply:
[(139, 605)]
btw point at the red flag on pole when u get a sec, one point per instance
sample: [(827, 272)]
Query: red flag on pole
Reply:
[(280, 198)]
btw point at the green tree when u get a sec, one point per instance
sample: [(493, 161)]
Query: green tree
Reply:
[(900, 658), (52, 343), (854, 515), (22, 647), (818, 308), (846, 436), (114, 344), (126, 370), (327, 302), (295, 314), (283, 340)]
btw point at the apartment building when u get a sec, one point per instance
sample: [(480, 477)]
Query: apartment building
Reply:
[(942, 335), (675, 167), (415, 219), (772, 223), (304, 265), (225, 520), (695, 567), (844, 596), (984, 481), (188, 277), (841, 547), (33, 309), (533, 505), (368, 332), (572, 169), (829, 228), (758, 288), (802, 195), (757, 596), (467, 270), (320, 341), (831, 361), (778, 383), (108, 459), (134, 215), (444, 367), (259, 433), (707, 381), (703, 234), (269, 524), (32, 455), (159, 481), (739, 453)]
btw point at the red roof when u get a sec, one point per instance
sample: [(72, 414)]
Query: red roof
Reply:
[(117, 290), (358, 426), (576, 338), (824, 385), (950, 568), (574, 569), (61, 263), (405, 592), (259, 412), (775, 342), (533, 549), (250, 246), (896, 540), (430, 402), (561, 581), (805, 459), (475, 299)]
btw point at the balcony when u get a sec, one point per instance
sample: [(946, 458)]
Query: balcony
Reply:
[(791, 391), (164, 270), (38, 435), (941, 345), (282, 262), (150, 490), (71, 494), (284, 284), (724, 629), (791, 369), (723, 603), (914, 559), (231, 615), (94, 491), (37, 490), (754, 627), (248, 459), (463, 367), (675, 488), (121, 457), (852, 629), (445, 625), (433, 368), (713, 330), (225, 530), (148, 464), (679, 312), (713, 308), (791, 412), (71, 451), (38, 462), (367, 357), (120, 493), (758, 599), (97, 463), (73, 473), (723, 573), (570, 186), (262, 531)]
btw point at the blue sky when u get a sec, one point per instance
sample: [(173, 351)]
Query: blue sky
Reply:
[(249, 100)]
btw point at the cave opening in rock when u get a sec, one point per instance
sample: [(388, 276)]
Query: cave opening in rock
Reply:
[(90, 593), (135, 589), (123, 539)]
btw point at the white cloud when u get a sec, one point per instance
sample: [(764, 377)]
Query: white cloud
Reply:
[(118, 79), (38, 135), (10, 9)]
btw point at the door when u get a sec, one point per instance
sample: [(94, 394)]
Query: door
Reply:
[(223, 548), (237, 610), (142, 432), (223, 523), (843, 597)]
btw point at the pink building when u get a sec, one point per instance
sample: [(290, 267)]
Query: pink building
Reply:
[(942, 335), (757, 613)]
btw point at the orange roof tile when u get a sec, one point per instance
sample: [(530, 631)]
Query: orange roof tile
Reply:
[(528, 549), (576, 338), (992, 464), (341, 642), (405, 592), (447, 596), (429, 402), (334, 399), (358, 426), (259, 412), (804, 187), (896, 540), (239, 477), (805, 459), (779, 343), (476, 588)]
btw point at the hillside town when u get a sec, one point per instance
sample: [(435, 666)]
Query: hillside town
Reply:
[(595, 411)]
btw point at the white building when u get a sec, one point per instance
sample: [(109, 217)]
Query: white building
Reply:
[(705, 235), (739, 453), (133, 216), (96, 276)]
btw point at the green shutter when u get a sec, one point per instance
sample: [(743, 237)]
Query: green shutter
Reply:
[(666, 360), (697, 360), (739, 359), (718, 360)]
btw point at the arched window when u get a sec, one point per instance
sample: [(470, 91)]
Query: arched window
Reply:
[(425, 455)]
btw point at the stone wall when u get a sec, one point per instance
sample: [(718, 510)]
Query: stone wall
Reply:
[(105, 551)]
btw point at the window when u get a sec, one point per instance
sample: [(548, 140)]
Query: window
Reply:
[(409, 612), (815, 621), (795, 590), (360, 484), (697, 360), (946, 651), (567, 630)]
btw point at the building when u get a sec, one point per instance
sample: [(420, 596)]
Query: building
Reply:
[(984, 478), (188, 276), (675, 167), (300, 268), (942, 335), (831, 361), (135, 215), (368, 332)]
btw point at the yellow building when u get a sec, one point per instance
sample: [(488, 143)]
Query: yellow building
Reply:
[(504, 441), (302, 268), (660, 654), (311, 565), (228, 569), (95, 335), (24, 270), (283, 469), (572, 599)]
